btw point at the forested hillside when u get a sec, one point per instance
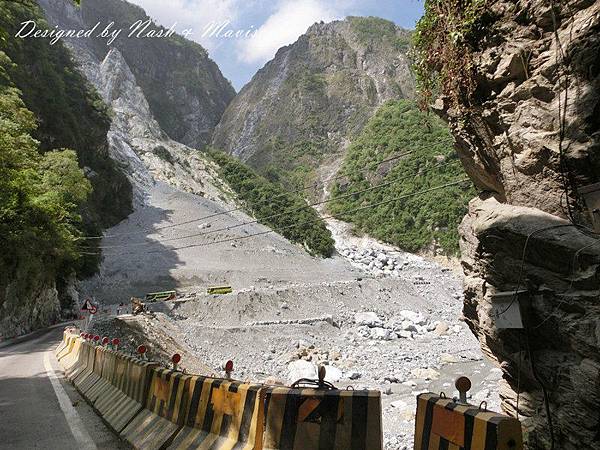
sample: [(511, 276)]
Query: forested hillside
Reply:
[(424, 147), (285, 212), (49, 196)]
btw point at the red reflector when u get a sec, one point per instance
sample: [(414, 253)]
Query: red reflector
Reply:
[(176, 358), (141, 349), (229, 366)]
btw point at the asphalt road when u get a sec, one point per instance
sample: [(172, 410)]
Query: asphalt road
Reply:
[(39, 408)]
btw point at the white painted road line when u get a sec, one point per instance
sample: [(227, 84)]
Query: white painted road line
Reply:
[(78, 430)]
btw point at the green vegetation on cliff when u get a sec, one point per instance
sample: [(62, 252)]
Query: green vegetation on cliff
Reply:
[(444, 40), (264, 200), (413, 223), (49, 195)]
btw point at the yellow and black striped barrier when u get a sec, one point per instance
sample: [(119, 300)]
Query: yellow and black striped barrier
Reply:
[(221, 415), (125, 397), (154, 408), (307, 419), (155, 425), (443, 424)]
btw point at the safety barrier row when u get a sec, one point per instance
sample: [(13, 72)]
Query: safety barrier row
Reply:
[(155, 408)]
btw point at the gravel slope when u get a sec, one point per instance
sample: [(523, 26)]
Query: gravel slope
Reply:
[(290, 312)]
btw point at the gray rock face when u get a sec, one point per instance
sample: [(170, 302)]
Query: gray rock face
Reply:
[(561, 274), (136, 139), (510, 142), (185, 89), (29, 309), (317, 92), (509, 145)]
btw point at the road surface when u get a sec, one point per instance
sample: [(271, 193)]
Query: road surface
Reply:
[(39, 408)]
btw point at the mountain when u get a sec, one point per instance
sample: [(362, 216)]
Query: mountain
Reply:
[(301, 108), (185, 89), (418, 153)]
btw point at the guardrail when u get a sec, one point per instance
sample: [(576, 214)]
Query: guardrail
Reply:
[(154, 408)]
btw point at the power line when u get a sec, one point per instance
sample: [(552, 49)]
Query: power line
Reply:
[(273, 216), (211, 216), (413, 194)]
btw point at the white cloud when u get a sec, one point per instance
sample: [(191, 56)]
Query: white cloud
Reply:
[(290, 20)]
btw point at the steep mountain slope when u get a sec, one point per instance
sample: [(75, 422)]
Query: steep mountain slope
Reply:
[(418, 150), (41, 222), (302, 106), (185, 89)]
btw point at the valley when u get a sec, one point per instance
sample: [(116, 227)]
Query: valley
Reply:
[(400, 207)]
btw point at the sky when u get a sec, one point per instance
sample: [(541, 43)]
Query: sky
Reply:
[(263, 26)]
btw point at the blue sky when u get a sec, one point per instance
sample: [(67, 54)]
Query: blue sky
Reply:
[(264, 25)]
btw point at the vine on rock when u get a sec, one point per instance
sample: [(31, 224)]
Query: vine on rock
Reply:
[(444, 42)]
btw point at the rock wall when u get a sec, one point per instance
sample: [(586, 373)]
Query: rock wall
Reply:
[(185, 90), (538, 57)]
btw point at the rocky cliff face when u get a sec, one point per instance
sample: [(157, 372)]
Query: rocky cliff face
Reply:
[(316, 93), (137, 142), (184, 88), (536, 60)]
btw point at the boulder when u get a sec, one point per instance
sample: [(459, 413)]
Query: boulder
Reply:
[(369, 319), (301, 369)]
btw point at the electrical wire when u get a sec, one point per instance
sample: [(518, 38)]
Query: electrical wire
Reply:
[(211, 216), (239, 238), (273, 216)]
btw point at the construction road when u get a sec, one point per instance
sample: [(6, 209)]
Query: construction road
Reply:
[(38, 407)]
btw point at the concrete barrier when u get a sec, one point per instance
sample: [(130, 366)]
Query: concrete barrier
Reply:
[(75, 359), (88, 379), (84, 365), (155, 426), (66, 346), (442, 423), (125, 394), (154, 408), (220, 415), (310, 419)]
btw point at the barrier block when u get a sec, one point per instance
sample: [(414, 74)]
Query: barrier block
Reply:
[(220, 415), (85, 364), (307, 419), (129, 381), (104, 367), (443, 424), (163, 414), (66, 348), (63, 343), (76, 359), (85, 382)]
